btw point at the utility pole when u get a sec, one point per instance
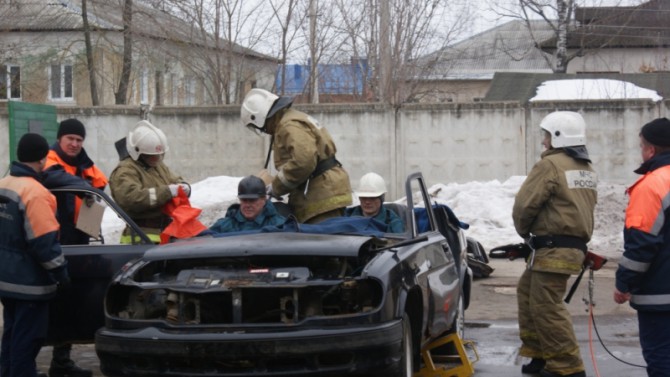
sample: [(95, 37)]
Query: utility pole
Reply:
[(314, 71)]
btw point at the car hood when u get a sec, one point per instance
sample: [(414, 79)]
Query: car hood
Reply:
[(261, 244)]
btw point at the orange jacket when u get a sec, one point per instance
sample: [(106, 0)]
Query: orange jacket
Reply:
[(89, 172)]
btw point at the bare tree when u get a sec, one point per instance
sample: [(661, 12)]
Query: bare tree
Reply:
[(89, 55), (219, 29), (394, 34), (122, 91), (285, 12), (559, 15)]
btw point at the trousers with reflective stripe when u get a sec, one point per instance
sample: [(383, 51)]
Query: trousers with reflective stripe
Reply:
[(545, 326)]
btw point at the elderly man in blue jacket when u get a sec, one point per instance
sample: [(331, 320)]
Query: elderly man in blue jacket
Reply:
[(254, 211)]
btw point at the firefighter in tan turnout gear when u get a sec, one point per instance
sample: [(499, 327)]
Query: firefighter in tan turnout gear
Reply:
[(142, 184), (553, 211), (304, 154)]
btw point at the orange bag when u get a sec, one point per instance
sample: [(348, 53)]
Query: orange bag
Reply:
[(185, 223)]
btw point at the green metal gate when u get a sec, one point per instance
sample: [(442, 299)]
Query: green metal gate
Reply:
[(30, 117)]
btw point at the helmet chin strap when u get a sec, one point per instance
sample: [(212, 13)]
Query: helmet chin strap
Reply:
[(267, 159)]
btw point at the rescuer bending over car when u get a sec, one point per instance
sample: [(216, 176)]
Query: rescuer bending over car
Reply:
[(304, 153)]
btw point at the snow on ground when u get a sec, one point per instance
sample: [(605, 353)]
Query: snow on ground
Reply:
[(486, 206), (601, 89)]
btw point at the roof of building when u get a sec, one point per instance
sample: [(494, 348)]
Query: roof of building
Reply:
[(521, 87), (105, 15), (505, 48), (645, 25)]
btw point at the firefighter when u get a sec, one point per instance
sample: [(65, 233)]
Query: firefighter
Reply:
[(371, 192), (642, 275), (553, 210), (142, 184), (253, 212), (304, 154)]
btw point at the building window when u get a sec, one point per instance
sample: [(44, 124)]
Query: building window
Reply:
[(174, 89), (189, 91), (144, 87), (10, 82), (61, 82)]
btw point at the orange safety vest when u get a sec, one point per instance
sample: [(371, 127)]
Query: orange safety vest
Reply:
[(92, 174)]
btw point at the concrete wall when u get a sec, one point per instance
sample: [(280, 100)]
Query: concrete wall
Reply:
[(446, 142)]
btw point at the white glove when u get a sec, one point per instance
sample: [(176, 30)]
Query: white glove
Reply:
[(187, 188), (173, 190)]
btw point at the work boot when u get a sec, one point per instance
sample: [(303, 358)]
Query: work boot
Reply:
[(546, 373), (69, 370), (534, 367), (63, 366)]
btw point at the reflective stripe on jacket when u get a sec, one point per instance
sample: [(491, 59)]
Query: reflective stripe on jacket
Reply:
[(29, 245), (299, 144), (645, 266), (557, 199)]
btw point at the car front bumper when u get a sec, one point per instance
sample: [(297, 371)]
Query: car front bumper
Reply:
[(341, 351)]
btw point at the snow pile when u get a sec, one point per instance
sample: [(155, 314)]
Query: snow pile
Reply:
[(592, 89), (486, 206)]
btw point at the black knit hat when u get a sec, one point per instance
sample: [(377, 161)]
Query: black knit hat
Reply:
[(657, 132), (71, 127), (32, 148)]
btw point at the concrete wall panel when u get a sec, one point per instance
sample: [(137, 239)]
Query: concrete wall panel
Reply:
[(446, 142)]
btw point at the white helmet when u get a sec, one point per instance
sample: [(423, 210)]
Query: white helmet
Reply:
[(145, 138), (567, 128), (260, 105), (371, 185)]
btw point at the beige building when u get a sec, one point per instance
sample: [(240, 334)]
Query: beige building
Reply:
[(602, 41), (634, 39), (43, 57)]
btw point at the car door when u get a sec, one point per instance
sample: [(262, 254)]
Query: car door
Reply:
[(435, 266), (77, 313)]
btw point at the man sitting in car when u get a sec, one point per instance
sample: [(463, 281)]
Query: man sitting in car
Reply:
[(371, 192), (254, 211)]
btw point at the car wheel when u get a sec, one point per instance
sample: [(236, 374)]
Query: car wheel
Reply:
[(405, 367)]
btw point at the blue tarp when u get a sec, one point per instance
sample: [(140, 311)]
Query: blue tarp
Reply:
[(422, 217), (363, 226)]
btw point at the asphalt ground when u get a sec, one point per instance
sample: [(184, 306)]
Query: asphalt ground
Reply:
[(491, 326)]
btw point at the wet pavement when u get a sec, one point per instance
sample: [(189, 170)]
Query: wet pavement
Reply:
[(491, 324)]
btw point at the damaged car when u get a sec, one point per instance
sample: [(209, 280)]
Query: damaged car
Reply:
[(337, 298)]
